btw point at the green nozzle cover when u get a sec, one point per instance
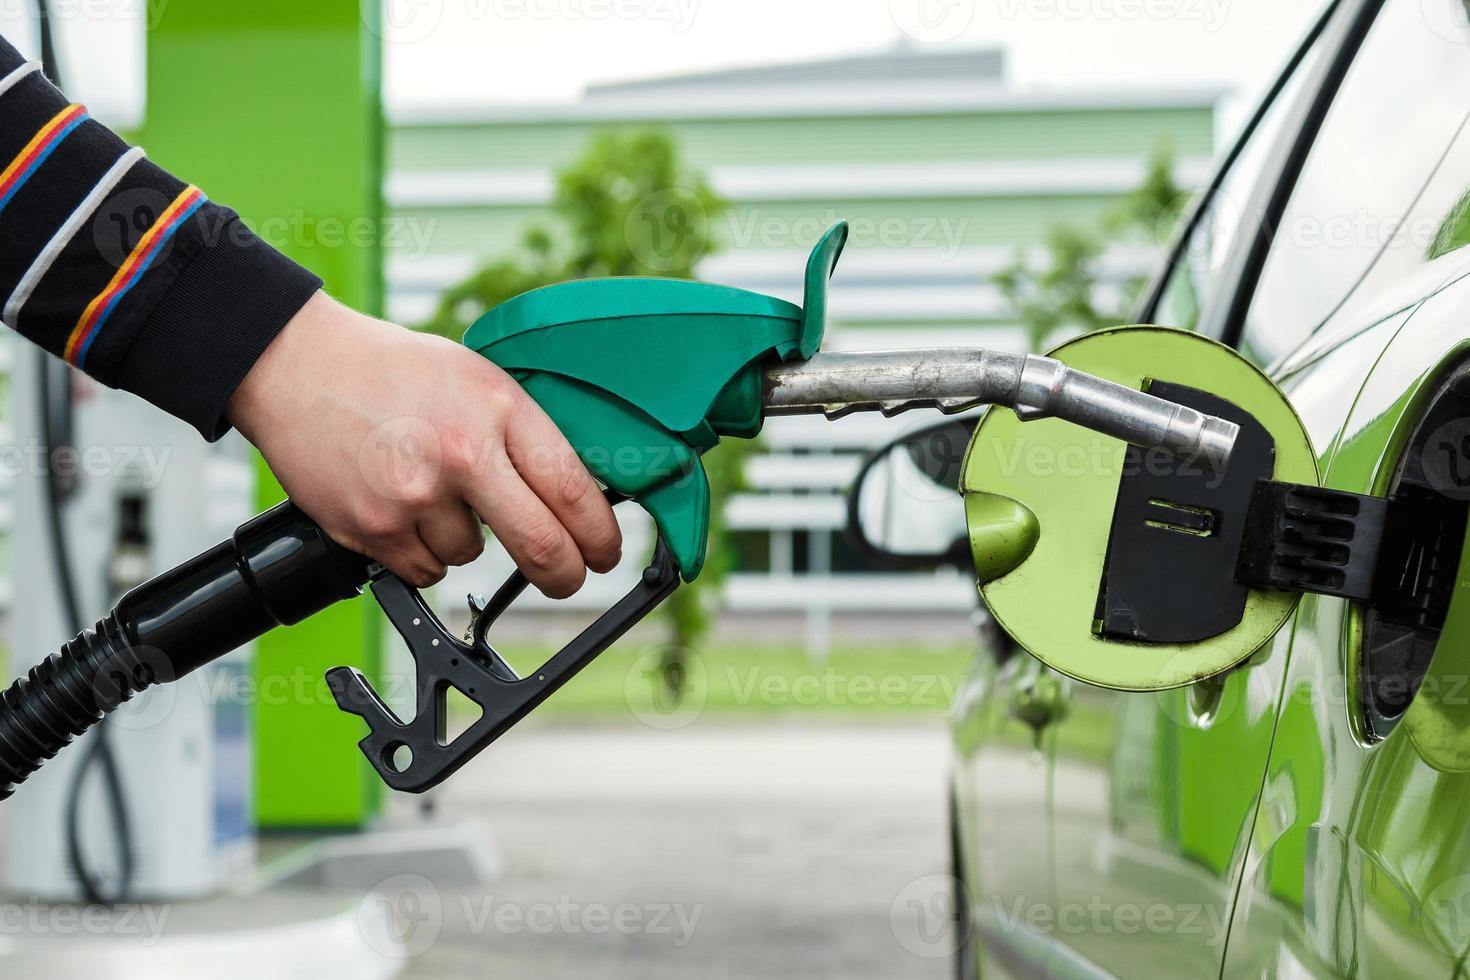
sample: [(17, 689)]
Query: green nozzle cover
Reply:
[(644, 375)]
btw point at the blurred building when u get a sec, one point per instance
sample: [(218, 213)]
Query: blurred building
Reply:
[(944, 171)]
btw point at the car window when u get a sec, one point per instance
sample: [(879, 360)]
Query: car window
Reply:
[(1397, 111), (1196, 277)]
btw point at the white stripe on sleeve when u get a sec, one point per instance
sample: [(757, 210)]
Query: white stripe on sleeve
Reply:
[(9, 80), (66, 232)]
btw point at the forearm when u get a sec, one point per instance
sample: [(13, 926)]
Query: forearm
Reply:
[(125, 271)]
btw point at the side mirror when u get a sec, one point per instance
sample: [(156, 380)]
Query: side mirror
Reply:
[(1138, 571), (904, 509)]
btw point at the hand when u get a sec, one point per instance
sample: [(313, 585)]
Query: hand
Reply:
[(399, 444)]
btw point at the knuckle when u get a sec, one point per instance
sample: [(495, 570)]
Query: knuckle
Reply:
[(382, 524), (418, 497), (461, 454), (574, 489), (545, 547), (502, 395)]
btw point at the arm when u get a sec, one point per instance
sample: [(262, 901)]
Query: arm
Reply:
[(398, 444)]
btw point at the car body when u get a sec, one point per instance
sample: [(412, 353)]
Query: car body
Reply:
[(1278, 820)]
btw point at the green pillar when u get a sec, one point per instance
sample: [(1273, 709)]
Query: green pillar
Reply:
[(272, 107)]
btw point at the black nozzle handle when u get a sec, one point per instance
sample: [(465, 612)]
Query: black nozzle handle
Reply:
[(277, 569)]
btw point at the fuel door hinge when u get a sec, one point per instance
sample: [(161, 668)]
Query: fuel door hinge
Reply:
[(1397, 554), (1187, 546), (1311, 539)]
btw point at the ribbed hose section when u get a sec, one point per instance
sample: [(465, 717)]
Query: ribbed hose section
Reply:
[(63, 696)]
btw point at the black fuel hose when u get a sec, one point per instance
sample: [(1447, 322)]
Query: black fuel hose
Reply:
[(276, 570)]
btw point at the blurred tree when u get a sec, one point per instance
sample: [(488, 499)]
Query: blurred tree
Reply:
[(628, 206), (1061, 292)]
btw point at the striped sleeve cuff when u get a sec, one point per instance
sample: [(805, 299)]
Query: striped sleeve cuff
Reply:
[(209, 327), (125, 271)]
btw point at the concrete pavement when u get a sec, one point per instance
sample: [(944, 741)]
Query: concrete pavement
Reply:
[(761, 850)]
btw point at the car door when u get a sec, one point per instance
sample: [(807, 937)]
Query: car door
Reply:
[(1357, 864), (1154, 829)]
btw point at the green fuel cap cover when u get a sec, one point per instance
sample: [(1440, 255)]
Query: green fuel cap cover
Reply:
[(1040, 502), (644, 375)]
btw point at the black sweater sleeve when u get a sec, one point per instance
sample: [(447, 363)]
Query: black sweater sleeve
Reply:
[(125, 271)]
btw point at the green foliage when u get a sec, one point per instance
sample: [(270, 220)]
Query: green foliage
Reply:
[(1453, 232), (628, 206), (1061, 293)]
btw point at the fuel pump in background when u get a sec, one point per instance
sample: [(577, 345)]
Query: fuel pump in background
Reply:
[(164, 812)]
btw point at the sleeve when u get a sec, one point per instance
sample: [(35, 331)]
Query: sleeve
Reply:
[(125, 271)]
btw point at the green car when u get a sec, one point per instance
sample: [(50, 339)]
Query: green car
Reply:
[(1283, 796)]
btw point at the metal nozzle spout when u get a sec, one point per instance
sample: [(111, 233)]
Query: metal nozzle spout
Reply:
[(955, 379), (1048, 388)]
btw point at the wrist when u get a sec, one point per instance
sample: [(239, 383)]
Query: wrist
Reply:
[(262, 394)]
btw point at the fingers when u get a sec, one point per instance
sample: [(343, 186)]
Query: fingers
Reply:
[(451, 531), (552, 470), (406, 556), (543, 550)]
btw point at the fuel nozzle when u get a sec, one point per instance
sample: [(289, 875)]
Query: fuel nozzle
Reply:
[(953, 379), (645, 375)]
